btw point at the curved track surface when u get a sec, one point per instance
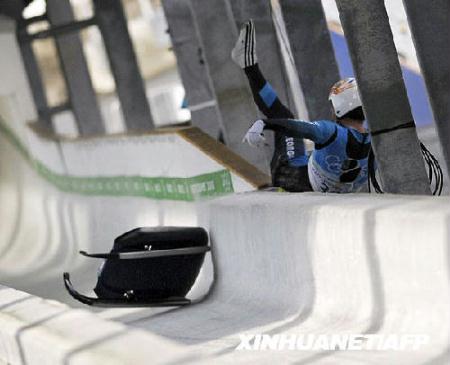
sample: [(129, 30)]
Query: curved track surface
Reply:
[(284, 264)]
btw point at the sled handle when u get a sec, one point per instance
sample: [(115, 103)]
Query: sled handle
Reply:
[(149, 254)]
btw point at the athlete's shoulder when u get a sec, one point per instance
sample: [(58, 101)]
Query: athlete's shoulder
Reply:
[(326, 132), (326, 126)]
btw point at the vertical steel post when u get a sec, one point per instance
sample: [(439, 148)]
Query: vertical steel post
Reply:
[(125, 69), (14, 10), (218, 33), (430, 27), (193, 70), (383, 93), (78, 81), (34, 78), (313, 53)]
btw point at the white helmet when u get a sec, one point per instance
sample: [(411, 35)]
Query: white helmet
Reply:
[(344, 96)]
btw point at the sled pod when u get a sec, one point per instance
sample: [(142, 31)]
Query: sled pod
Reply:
[(147, 267)]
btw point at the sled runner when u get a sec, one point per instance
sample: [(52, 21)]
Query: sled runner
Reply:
[(147, 267)]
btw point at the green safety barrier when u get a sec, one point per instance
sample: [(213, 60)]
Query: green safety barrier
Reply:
[(212, 184)]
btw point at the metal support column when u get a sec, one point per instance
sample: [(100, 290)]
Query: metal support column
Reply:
[(383, 93), (313, 53), (218, 33), (129, 83), (192, 67), (430, 27), (34, 78), (78, 81)]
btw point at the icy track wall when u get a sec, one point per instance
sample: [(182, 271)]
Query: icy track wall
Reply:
[(167, 165), (44, 225), (284, 263), (64, 193), (177, 164)]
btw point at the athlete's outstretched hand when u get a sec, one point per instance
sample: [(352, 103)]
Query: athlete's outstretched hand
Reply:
[(255, 136), (244, 52)]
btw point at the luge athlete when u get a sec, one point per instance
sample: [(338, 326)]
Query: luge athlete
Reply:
[(339, 160)]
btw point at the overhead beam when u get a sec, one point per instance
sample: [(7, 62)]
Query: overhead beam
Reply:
[(57, 30), (383, 93)]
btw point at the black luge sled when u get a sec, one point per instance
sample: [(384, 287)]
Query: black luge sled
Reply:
[(147, 267), (127, 301)]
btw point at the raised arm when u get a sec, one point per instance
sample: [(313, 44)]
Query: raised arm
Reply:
[(244, 55), (321, 132)]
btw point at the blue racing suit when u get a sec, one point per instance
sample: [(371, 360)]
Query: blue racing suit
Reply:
[(338, 164), (339, 161)]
